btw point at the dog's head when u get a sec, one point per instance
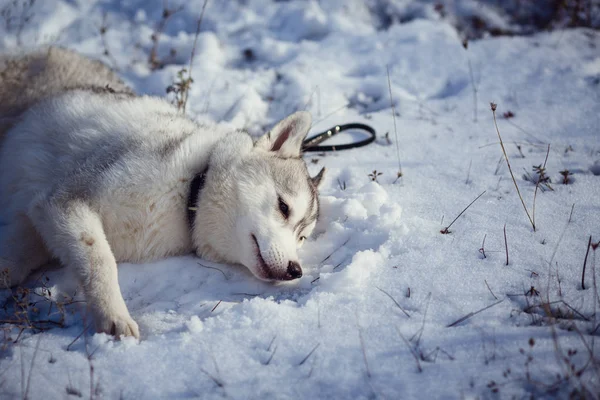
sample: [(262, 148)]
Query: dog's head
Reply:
[(259, 203)]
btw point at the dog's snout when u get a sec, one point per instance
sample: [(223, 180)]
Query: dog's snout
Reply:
[(294, 270)]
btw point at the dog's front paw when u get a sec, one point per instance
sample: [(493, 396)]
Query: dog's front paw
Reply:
[(117, 324)]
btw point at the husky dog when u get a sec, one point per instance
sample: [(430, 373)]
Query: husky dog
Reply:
[(93, 175)]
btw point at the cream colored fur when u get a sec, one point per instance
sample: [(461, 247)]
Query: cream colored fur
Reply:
[(28, 78), (94, 178)]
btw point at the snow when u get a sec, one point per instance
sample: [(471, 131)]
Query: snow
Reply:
[(213, 331)]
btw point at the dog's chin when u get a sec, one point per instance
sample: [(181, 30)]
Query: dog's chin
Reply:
[(262, 270)]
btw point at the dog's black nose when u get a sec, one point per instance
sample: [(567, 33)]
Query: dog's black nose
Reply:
[(294, 270)]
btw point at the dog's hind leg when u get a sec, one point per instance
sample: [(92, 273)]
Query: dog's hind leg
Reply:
[(74, 233), (21, 251)]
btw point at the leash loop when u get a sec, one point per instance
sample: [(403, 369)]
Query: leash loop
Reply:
[(312, 143)]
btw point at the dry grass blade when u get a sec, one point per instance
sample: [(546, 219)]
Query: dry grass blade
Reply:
[(271, 356), (482, 248), (469, 315), (77, 337), (309, 354), (505, 244), (475, 90), (571, 214), (199, 23), (364, 353), (215, 268), (330, 114), (399, 174), (493, 106), (183, 83), (333, 252), (217, 381), (558, 242), (217, 305), (412, 351), (488, 286), (468, 173), (418, 334), (585, 262), (37, 347), (394, 300), (548, 310), (445, 230)]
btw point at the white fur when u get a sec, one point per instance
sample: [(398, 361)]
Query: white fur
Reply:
[(94, 179)]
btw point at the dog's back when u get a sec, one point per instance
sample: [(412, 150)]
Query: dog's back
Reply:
[(27, 79)]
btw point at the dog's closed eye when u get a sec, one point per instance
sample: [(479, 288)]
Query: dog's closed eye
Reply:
[(283, 207)]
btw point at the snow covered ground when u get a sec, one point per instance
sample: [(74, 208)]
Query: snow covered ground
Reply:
[(370, 317)]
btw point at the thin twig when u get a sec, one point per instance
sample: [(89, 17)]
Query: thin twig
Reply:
[(394, 300), (475, 89), (330, 114), (271, 356), (339, 264), (271, 343), (587, 252), (548, 310), (329, 256), (498, 165), (575, 310), (217, 381), (37, 347), (482, 249), (362, 345), (412, 351), (399, 174), (22, 373), (309, 354), (90, 364), (217, 305), (515, 142), (77, 338), (418, 334), (571, 215), (468, 172), (194, 51), (488, 286), (445, 230), (537, 185), (469, 315), (493, 106), (505, 244), (206, 266), (540, 142)]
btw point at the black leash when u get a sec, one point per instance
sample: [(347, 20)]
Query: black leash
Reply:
[(312, 143)]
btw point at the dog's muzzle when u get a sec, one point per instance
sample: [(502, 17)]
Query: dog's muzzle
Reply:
[(294, 271)]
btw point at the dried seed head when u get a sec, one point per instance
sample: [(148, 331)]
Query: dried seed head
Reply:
[(493, 106)]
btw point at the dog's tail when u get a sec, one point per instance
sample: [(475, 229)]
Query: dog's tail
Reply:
[(28, 78)]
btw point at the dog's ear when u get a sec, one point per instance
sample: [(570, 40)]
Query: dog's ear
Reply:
[(317, 179), (287, 136)]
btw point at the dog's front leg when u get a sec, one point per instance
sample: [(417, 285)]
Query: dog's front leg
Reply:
[(73, 232)]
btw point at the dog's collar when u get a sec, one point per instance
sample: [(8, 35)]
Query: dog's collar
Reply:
[(192, 205)]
